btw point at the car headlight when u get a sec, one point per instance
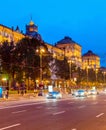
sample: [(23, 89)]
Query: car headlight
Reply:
[(76, 93), (47, 95), (54, 95), (82, 93), (59, 95)]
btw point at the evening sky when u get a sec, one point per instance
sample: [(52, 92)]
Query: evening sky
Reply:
[(82, 20)]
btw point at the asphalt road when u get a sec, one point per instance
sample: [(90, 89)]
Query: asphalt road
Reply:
[(64, 114)]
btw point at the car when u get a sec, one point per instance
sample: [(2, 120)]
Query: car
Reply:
[(80, 93), (54, 95), (93, 92)]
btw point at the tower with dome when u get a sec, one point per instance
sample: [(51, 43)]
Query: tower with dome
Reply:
[(32, 31)]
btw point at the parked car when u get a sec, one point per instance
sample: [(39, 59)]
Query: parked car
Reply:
[(54, 95)]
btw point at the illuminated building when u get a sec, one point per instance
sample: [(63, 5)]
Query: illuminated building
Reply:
[(32, 31), (65, 47), (9, 34), (71, 50), (90, 60)]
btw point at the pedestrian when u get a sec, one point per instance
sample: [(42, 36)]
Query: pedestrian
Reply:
[(35, 89), (7, 92)]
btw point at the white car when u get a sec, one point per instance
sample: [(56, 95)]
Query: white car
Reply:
[(54, 95), (93, 92), (80, 93)]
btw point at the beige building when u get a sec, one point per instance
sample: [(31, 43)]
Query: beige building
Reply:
[(71, 50), (8, 34), (65, 47), (90, 60)]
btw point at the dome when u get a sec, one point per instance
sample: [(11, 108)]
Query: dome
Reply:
[(31, 23), (90, 53), (66, 40)]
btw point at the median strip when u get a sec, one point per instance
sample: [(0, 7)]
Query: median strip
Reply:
[(11, 126)]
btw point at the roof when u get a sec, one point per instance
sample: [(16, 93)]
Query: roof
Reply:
[(35, 35), (12, 29), (90, 53), (31, 23), (66, 40)]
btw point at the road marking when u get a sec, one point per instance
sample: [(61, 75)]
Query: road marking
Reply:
[(57, 113), (70, 102), (39, 107), (4, 128), (21, 105), (81, 106), (15, 112), (74, 129), (100, 115), (49, 108), (94, 103)]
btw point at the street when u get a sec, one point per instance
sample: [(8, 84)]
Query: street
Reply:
[(70, 113)]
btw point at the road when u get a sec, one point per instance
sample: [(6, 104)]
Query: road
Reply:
[(63, 114)]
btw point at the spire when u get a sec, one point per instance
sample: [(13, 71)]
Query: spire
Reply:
[(17, 29), (31, 22)]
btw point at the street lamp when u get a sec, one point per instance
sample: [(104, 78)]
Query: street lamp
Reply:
[(41, 51), (104, 73), (96, 73), (87, 74), (70, 68)]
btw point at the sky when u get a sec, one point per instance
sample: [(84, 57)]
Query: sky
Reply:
[(82, 20)]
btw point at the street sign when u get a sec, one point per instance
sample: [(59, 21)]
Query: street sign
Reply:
[(50, 88)]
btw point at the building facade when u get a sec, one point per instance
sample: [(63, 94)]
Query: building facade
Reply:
[(71, 50), (90, 60), (65, 47), (9, 34)]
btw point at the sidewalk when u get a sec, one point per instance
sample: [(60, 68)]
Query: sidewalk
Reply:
[(27, 96), (16, 97)]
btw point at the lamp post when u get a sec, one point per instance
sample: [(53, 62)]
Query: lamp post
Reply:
[(87, 74), (41, 51), (104, 73), (71, 61), (69, 68), (96, 73)]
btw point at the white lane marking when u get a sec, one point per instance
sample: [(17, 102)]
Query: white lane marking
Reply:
[(100, 115), (21, 105), (74, 129), (15, 112), (81, 106), (94, 103), (58, 113), (70, 102), (49, 108), (39, 107), (4, 128)]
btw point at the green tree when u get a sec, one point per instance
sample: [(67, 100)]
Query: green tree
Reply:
[(62, 69), (29, 57)]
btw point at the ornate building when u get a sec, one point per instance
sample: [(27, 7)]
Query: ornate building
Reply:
[(71, 50), (65, 47), (32, 31), (9, 34), (90, 60)]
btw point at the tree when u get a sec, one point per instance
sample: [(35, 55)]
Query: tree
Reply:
[(8, 60), (62, 69), (29, 57)]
